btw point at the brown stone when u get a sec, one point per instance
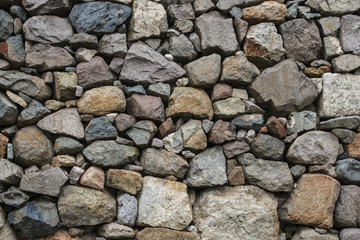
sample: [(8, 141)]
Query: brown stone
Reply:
[(101, 101), (166, 128), (165, 234), (235, 148), (275, 128), (236, 177), (221, 132), (312, 202), (221, 91), (124, 121), (269, 11), (316, 72), (353, 149), (146, 107), (124, 180), (93, 177), (16, 99), (3, 145), (188, 102), (59, 235), (63, 161)]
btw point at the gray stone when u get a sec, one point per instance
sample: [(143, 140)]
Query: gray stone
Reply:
[(98, 17), (127, 209), (48, 182), (325, 169), (184, 26), (228, 108), (14, 197), (100, 129), (195, 39), (39, 214), (302, 40), (241, 28), (65, 84), (232, 149), (297, 170), (333, 8), (349, 234), (269, 87), (351, 122), (180, 11), (345, 136), (47, 7), (349, 35), (267, 147), (124, 121), (66, 145), (236, 213), (273, 176), (207, 169), (7, 26), (347, 211), (306, 233), (332, 47), (202, 6), (159, 162), (162, 90), (138, 89), (142, 133), (143, 65), (346, 63), (113, 45), (217, 34), (75, 174), (32, 113), (7, 232), (226, 5), (10, 173), (13, 50), (173, 142), (348, 171), (300, 122), (329, 26), (115, 231), (204, 72), (4, 65), (8, 112), (2, 218), (193, 135), (85, 206), (249, 121), (83, 40), (182, 49)]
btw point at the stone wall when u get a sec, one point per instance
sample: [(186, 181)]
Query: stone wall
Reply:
[(180, 119)]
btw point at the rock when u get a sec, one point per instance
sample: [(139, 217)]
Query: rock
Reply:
[(171, 197), (32, 113), (100, 129), (306, 233), (345, 136), (236, 177), (47, 7), (161, 90), (189, 102), (20, 82), (346, 213), (84, 55), (14, 197), (249, 121), (238, 70), (83, 40), (335, 8), (63, 161), (4, 65), (332, 47), (316, 72), (235, 148), (269, 86), (349, 233), (10, 173), (9, 111), (143, 65), (32, 147), (301, 121), (94, 73), (204, 72), (102, 100), (3, 145), (124, 121), (213, 24), (127, 209), (193, 135), (146, 107), (273, 176), (142, 133), (312, 202), (182, 49), (61, 235), (124, 180), (226, 5), (13, 50), (207, 169), (269, 11), (217, 207), (228, 108), (48, 182), (346, 63), (110, 154), (7, 26), (66, 145), (39, 214), (2, 218), (79, 206), (48, 30), (115, 231), (46, 57), (16, 99), (222, 132), (98, 17), (173, 142), (65, 85), (275, 128), (329, 26), (159, 162), (7, 232), (113, 45), (302, 40), (351, 122), (267, 147), (164, 234), (54, 105), (349, 37), (93, 177), (347, 171), (180, 11), (221, 91), (64, 122)]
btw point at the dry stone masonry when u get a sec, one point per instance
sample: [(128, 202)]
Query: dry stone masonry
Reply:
[(180, 119)]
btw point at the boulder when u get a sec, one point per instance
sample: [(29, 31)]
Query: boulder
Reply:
[(222, 132), (349, 234), (267, 147), (66, 145), (93, 177), (346, 63)]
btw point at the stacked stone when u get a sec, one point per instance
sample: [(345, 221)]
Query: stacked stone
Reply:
[(179, 119)]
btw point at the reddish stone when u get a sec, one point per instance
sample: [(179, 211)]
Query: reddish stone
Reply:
[(316, 72), (235, 148), (3, 144), (221, 132), (275, 128), (353, 149), (124, 121), (166, 128), (236, 177), (146, 107), (263, 129), (93, 177), (221, 91)]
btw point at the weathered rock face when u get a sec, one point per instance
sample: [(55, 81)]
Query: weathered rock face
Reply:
[(7, 26), (335, 8), (269, 11), (142, 133), (8, 111), (349, 233), (124, 180), (349, 36), (127, 209), (146, 107), (13, 50), (347, 213), (100, 129), (306, 233), (347, 171), (267, 147), (230, 213), (65, 85), (163, 234), (42, 7), (182, 49), (10, 173)]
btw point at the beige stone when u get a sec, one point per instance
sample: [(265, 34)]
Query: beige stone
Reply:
[(65, 85), (165, 234), (63, 161), (16, 99), (353, 149), (268, 11), (124, 180)]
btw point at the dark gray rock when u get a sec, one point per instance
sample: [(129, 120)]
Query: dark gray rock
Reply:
[(349, 234), (18, 12), (110, 154), (347, 210), (249, 121), (39, 214), (84, 40), (66, 145), (7, 25), (349, 35), (235, 148), (10, 173), (346, 136), (13, 50), (14, 197), (113, 45), (32, 113), (98, 17), (226, 5), (182, 49), (348, 171), (127, 209), (8, 110), (47, 7), (267, 147), (142, 133), (162, 90), (100, 129), (301, 121), (351, 122), (181, 11)]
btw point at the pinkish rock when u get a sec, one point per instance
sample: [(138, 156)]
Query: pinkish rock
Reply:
[(93, 177), (146, 107), (221, 132), (167, 127), (221, 91), (235, 148), (236, 177), (275, 128), (124, 121)]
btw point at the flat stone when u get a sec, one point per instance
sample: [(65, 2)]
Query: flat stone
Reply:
[(306, 233), (346, 213), (46, 57), (193, 135), (228, 108), (302, 40), (113, 45), (102, 100), (349, 234), (347, 171), (10, 173), (269, 86), (124, 180), (63, 161), (127, 209), (83, 40), (301, 121), (39, 214), (13, 197), (169, 196), (48, 182), (268, 11), (349, 37), (98, 17), (164, 234), (221, 91), (146, 107), (32, 147), (142, 133), (153, 68), (351, 122), (66, 145), (249, 121), (332, 47), (346, 136), (13, 50), (100, 129), (334, 8), (267, 147), (329, 26), (182, 49), (110, 154), (346, 63), (255, 211), (79, 206), (124, 121), (115, 231), (226, 5), (235, 148), (47, 7), (222, 132), (7, 26), (312, 202)]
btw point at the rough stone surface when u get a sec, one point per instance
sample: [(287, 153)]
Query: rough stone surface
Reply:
[(249, 121), (8, 111), (146, 107), (228, 108), (142, 133), (235, 148), (93, 177), (13, 50), (124, 121), (182, 49), (66, 145), (100, 129), (333, 7), (65, 85), (113, 45), (346, 136), (301, 121), (10, 173), (226, 5), (164, 234), (351, 122), (115, 231), (127, 209), (346, 63), (221, 132), (306, 233), (349, 234), (349, 36), (124, 180), (347, 171), (7, 26), (193, 135), (268, 11), (267, 147), (347, 213), (14, 197), (352, 148), (44, 7)]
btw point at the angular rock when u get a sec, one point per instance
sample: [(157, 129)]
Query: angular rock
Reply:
[(65, 85), (351, 122), (181, 11), (349, 234), (268, 11), (113, 45), (221, 91), (39, 214), (110, 154), (161, 90), (332, 47), (8, 112), (235, 148), (249, 121), (83, 40), (32, 113), (115, 231), (93, 177), (306, 233), (32, 147), (346, 63), (267, 147), (100, 129), (228, 108), (173, 142), (349, 36), (275, 128), (124, 180), (269, 87), (13, 50), (255, 211), (98, 17), (169, 196), (202, 6), (222, 132), (124, 121), (345, 136), (347, 171), (10, 173), (182, 49), (79, 206), (47, 7), (159, 162), (164, 234), (333, 8), (14, 197), (63, 161), (127, 209), (207, 169), (193, 135), (329, 26), (3, 144), (142, 133), (313, 201), (302, 40), (84, 55), (66, 145), (102, 100), (48, 30), (7, 232), (301, 121), (146, 107), (226, 5), (7, 26), (347, 213)]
